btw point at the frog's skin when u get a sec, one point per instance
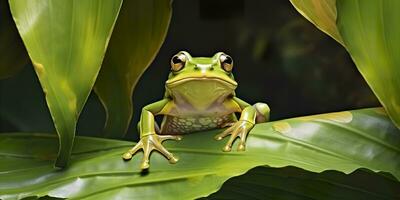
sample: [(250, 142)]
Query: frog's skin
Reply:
[(200, 95)]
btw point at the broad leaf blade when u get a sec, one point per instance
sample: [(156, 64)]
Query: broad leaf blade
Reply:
[(66, 41), (342, 141), (371, 32), (13, 55), (139, 32), (295, 183), (322, 13)]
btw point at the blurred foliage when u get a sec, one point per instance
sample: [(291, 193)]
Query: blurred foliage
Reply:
[(279, 56), (13, 55)]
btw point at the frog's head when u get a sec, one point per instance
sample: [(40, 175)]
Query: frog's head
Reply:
[(201, 81)]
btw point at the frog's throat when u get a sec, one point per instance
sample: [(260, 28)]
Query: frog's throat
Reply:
[(228, 82)]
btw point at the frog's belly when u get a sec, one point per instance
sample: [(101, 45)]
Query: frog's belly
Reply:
[(182, 125)]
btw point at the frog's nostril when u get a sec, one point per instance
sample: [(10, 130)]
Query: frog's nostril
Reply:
[(196, 67)]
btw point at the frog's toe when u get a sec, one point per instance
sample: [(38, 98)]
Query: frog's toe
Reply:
[(170, 137), (218, 137), (159, 147), (227, 148), (144, 165), (173, 159), (127, 156), (228, 124), (242, 144), (241, 147), (224, 134), (179, 138)]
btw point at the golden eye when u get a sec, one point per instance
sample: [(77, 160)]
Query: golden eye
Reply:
[(226, 62), (178, 62)]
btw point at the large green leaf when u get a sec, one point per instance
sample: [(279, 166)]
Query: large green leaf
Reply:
[(139, 32), (341, 141), (13, 55), (66, 41), (371, 32), (322, 13), (294, 183)]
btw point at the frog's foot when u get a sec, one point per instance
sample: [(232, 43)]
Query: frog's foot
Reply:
[(228, 124), (240, 129), (148, 144)]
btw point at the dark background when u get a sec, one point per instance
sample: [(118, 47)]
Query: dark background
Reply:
[(280, 58)]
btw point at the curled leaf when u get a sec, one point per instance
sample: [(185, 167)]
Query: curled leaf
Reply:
[(66, 41), (322, 13), (139, 32), (371, 32)]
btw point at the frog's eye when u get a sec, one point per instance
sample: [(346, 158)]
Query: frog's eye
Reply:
[(226, 62), (178, 62)]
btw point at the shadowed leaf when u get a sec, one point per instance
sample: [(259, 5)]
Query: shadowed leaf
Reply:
[(139, 32), (295, 183)]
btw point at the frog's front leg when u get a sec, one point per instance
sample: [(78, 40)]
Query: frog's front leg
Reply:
[(250, 115), (149, 140)]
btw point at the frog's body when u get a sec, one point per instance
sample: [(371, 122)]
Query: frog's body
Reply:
[(183, 125), (200, 95)]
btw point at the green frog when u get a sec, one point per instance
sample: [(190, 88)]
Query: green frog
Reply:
[(199, 95)]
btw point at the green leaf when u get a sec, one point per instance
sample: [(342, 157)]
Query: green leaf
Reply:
[(295, 183), (13, 55), (322, 13), (343, 141), (139, 32), (66, 41), (371, 32)]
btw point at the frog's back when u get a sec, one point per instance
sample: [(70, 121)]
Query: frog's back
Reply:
[(183, 125)]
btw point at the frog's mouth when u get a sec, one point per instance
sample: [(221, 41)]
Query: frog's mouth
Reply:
[(200, 92), (227, 82)]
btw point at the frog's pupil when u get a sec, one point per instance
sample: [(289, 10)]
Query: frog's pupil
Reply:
[(228, 60), (176, 60)]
